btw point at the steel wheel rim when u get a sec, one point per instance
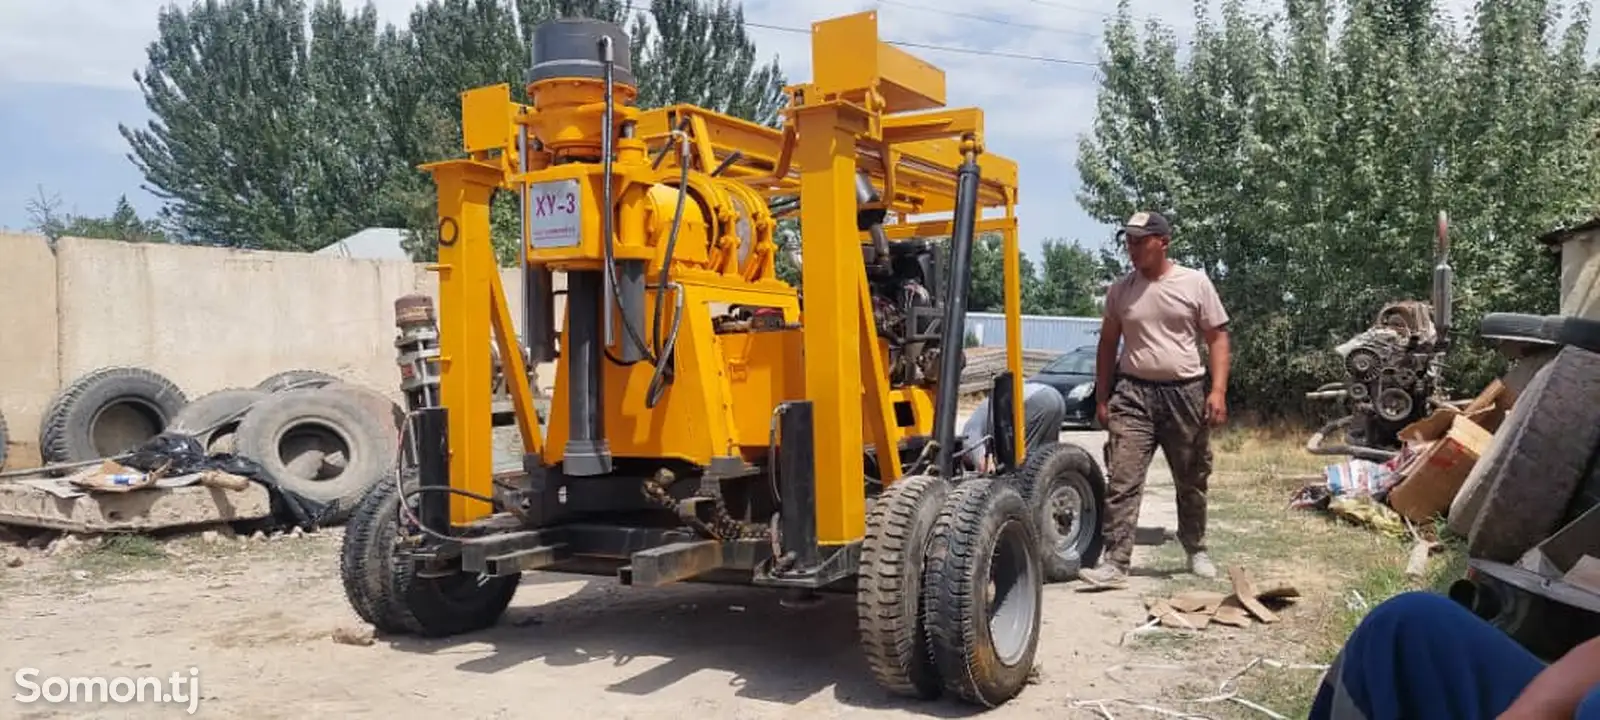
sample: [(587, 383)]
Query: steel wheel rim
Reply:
[(1068, 516), (1011, 594)]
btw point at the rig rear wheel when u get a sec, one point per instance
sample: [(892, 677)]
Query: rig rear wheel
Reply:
[(385, 588), (889, 606), (984, 592), (1067, 494)]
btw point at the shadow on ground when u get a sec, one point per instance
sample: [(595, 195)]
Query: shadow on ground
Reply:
[(774, 653)]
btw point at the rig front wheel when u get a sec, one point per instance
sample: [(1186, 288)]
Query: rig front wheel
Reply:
[(385, 588), (889, 606), (984, 592)]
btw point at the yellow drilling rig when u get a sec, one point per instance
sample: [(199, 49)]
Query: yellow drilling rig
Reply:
[(711, 422)]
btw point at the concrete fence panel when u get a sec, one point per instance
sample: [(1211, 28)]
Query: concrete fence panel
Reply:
[(28, 360)]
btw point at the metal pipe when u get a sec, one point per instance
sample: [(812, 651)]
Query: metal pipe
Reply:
[(1443, 283), (955, 312), (607, 147), (586, 452)]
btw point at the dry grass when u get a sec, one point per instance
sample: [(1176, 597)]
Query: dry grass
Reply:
[(1341, 571)]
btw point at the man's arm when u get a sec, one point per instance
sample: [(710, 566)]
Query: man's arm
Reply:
[(1105, 362), (1556, 692), (1218, 349)]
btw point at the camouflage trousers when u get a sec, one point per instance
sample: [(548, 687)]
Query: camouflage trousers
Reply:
[(1142, 416)]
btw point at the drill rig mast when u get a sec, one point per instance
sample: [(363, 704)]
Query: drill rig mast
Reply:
[(703, 425)]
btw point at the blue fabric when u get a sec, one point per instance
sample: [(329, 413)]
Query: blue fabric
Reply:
[(1422, 655), (1589, 707)]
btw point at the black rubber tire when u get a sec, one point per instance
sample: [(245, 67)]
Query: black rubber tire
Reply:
[(68, 433), (326, 420), (5, 441), (366, 561), (296, 380), (390, 596), (1061, 472), (1550, 329), (385, 409), (889, 586), (982, 516), (1545, 459), (214, 417)]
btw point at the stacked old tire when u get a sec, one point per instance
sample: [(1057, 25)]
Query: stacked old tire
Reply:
[(313, 435), (950, 591)]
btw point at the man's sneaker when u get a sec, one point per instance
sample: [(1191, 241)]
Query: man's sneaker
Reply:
[(1105, 577), (1200, 565)]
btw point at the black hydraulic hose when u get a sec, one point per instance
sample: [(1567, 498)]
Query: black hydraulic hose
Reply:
[(661, 378), (607, 150), (672, 245)]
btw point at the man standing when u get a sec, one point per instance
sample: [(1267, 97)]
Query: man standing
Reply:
[(1156, 395), (1043, 411)]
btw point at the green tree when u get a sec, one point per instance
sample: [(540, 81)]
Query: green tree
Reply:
[(1069, 281), (1303, 161), (123, 224)]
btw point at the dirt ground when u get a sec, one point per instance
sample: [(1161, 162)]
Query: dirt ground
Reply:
[(257, 618)]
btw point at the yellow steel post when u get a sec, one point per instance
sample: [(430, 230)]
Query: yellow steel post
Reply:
[(832, 330), (466, 268), (1013, 301)]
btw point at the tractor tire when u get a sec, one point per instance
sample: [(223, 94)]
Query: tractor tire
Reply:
[(984, 533), (213, 418), (889, 589), (5, 439), (296, 380), (108, 412), (1067, 494), (1545, 459), (390, 595), (324, 446)]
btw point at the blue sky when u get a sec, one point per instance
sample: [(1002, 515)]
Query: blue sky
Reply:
[(66, 82)]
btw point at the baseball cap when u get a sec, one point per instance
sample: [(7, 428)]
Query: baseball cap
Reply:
[(1147, 223)]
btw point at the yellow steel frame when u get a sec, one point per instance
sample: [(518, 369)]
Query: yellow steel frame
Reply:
[(871, 107)]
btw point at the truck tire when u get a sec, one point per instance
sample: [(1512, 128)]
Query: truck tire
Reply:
[(324, 446), (108, 412), (296, 380), (1067, 494), (984, 642), (387, 592), (889, 607), (376, 403), (213, 418), (1548, 329), (1546, 457)]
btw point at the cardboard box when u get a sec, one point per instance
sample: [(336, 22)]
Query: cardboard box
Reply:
[(1489, 409), (1453, 444)]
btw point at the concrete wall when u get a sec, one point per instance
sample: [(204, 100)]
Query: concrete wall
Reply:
[(207, 318)]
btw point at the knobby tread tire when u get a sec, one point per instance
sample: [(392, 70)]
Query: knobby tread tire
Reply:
[(955, 582), (889, 608), (385, 590), (296, 380), (67, 433), (1042, 471), (366, 557), (1546, 457)]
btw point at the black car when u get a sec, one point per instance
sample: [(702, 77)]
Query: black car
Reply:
[(1072, 374)]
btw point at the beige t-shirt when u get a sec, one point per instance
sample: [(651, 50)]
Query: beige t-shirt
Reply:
[(1163, 322)]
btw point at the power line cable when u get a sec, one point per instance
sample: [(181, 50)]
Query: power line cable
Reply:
[(947, 48), (983, 18)]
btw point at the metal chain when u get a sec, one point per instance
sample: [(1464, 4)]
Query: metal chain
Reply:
[(723, 525)]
